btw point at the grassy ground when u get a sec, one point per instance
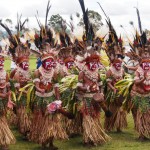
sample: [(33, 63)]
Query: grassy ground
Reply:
[(123, 141), (32, 63)]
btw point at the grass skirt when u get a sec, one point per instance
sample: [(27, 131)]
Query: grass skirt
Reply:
[(35, 125), (6, 136), (12, 118), (118, 120), (45, 126), (51, 128), (93, 132), (142, 123), (24, 122), (74, 126)]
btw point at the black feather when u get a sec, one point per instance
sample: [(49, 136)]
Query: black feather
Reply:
[(47, 12), (62, 39), (143, 38), (50, 35), (85, 16), (67, 39), (139, 20), (103, 11)]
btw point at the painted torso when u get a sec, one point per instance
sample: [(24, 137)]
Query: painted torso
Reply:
[(144, 87)]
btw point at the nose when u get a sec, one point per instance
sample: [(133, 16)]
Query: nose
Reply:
[(95, 65)]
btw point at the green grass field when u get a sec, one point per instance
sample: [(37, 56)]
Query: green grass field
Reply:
[(32, 63), (123, 141)]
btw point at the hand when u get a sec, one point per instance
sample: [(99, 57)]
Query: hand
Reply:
[(94, 88), (3, 95), (115, 90), (8, 93), (125, 65), (10, 104), (108, 113), (42, 91)]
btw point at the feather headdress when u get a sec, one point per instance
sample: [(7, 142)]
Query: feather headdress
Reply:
[(18, 49), (140, 49)]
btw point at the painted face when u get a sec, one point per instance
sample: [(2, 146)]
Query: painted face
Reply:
[(48, 64), (146, 65), (93, 65), (117, 65), (100, 66), (1, 64), (60, 61), (24, 65), (69, 64)]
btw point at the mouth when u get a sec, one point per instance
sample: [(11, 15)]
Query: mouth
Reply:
[(146, 68), (147, 87), (70, 66), (26, 67), (49, 68), (94, 68)]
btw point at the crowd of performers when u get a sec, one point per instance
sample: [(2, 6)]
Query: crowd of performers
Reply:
[(76, 82)]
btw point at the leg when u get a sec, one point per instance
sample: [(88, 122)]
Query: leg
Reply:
[(51, 145), (5, 147)]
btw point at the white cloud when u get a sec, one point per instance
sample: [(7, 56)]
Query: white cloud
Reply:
[(120, 11)]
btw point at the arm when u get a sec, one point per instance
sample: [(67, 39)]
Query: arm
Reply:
[(80, 85), (37, 81), (65, 113), (108, 113), (134, 68), (137, 79), (108, 75), (12, 73)]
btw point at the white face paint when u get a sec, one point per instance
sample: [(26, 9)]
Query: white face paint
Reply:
[(117, 65), (25, 65), (93, 66), (146, 65), (70, 64), (50, 65)]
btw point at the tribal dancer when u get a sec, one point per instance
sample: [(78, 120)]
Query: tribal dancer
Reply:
[(70, 70), (20, 51), (91, 99), (21, 77), (6, 136), (114, 100), (140, 91), (46, 122)]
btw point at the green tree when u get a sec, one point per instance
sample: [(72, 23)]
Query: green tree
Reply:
[(56, 22), (9, 21), (94, 18)]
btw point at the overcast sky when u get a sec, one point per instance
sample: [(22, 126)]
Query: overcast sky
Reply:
[(120, 11)]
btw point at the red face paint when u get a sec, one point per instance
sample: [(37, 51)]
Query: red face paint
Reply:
[(117, 65), (145, 65), (69, 64), (24, 65), (93, 65), (48, 64)]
